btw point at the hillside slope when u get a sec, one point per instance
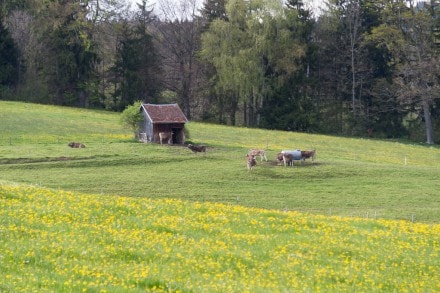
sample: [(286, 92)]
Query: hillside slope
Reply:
[(351, 177)]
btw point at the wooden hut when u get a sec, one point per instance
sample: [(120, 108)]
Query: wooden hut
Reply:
[(162, 118)]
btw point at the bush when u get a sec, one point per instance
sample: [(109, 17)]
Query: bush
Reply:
[(131, 117)]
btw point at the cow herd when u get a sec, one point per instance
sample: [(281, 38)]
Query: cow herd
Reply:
[(286, 157)]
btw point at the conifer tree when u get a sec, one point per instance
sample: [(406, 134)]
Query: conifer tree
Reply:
[(137, 66), (8, 58)]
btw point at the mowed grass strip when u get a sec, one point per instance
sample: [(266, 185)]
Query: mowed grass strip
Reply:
[(58, 241), (351, 177)]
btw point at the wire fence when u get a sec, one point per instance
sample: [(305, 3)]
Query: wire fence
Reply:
[(362, 213)]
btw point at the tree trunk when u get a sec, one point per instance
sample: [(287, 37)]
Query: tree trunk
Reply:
[(185, 89), (428, 123), (82, 98), (251, 110), (233, 111), (245, 113)]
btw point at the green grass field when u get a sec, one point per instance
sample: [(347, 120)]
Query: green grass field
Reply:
[(351, 177), (122, 215)]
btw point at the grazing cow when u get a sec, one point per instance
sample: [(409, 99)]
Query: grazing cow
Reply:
[(167, 136), (279, 158), (285, 158), (197, 148), (288, 160), (251, 162), (295, 153), (308, 154), (76, 145), (256, 152)]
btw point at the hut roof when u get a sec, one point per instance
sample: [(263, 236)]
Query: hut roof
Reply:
[(164, 113)]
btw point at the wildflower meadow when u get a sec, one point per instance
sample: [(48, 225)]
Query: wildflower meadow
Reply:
[(59, 241)]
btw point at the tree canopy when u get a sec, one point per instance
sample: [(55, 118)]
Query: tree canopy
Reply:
[(359, 67)]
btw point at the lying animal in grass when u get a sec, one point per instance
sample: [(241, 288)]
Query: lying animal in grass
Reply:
[(257, 152), (251, 162), (197, 148), (76, 145)]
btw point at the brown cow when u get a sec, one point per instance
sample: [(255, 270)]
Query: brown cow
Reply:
[(280, 158), (76, 145), (251, 162), (288, 160), (197, 148), (285, 158), (166, 135), (257, 152), (308, 154)]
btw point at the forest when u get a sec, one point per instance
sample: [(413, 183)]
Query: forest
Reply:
[(365, 68)]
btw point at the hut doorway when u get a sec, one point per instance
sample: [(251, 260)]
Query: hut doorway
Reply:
[(178, 136)]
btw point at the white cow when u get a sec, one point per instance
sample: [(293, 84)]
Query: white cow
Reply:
[(167, 136), (257, 152)]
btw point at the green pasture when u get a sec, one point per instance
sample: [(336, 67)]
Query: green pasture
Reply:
[(351, 177), (125, 216)]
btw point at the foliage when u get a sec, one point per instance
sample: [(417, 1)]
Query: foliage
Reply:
[(71, 53), (131, 117), (213, 9), (252, 51), (136, 66), (271, 64), (8, 59), (408, 37), (182, 70)]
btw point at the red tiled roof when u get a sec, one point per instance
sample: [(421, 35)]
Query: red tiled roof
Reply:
[(164, 113)]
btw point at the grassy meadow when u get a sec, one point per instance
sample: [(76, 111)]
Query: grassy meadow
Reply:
[(122, 215), (61, 241), (351, 177)]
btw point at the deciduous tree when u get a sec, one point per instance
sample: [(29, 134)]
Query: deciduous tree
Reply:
[(407, 33)]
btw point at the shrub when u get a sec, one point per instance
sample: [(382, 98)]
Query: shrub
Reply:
[(131, 117)]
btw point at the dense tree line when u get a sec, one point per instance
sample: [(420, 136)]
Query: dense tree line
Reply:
[(359, 67)]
